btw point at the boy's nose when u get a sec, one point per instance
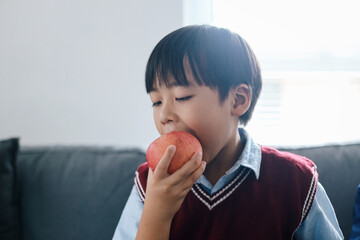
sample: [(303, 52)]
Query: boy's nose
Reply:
[(167, 114)]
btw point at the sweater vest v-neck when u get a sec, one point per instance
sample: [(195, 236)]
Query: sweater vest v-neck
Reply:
[(271, 207)]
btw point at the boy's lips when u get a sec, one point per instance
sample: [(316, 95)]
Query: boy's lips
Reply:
[(169, 129), (166, 132)]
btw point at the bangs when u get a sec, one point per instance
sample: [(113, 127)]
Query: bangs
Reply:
[(172, 57)]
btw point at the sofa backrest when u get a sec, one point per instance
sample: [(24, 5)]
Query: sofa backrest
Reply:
[(79, 192), (339, 172), (74, 192)]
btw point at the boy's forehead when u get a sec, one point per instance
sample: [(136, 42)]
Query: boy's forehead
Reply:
[(183, 77)]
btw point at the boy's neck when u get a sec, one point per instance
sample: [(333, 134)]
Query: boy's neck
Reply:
[(225, 159)]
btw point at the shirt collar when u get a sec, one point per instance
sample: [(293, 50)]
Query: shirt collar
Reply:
[(250, 156)]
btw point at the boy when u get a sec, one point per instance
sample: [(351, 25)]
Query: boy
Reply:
[(204, 80)]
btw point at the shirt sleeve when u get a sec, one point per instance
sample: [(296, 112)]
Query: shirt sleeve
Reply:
[(130, 217), (321, 222)]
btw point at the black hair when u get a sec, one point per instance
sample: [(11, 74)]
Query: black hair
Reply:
[(219, 59)]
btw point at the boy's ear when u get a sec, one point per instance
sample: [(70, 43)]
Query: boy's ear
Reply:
[(241, 95)]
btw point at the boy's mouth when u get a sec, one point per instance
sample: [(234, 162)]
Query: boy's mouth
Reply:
[(167, 130)]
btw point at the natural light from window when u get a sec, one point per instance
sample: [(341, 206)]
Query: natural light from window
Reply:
[(309, 52)]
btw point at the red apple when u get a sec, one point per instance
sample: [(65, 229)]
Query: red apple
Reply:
[(186, 145)]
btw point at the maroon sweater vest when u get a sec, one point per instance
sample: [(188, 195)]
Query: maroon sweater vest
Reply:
[(271, 207)]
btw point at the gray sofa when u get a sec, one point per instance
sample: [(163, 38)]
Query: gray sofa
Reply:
[(79, 192)]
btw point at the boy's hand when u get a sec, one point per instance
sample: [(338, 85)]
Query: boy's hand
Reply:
[(165, 194), (169, 191)]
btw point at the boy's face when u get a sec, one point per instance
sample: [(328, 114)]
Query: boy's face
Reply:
[(197, 110)]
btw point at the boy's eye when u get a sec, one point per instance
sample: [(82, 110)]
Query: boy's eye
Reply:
[(183, 99), (156, 104)]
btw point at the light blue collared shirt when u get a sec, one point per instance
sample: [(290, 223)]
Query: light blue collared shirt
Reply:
[(320, 223)]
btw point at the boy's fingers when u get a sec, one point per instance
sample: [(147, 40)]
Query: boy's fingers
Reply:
[(164, 162), (195, 175), (189, 167), (150, 174)]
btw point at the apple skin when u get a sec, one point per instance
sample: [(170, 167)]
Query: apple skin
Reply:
[(186, 145)]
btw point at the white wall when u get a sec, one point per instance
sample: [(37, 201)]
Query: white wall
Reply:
[(72, 72)]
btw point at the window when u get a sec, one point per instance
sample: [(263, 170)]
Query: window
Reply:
[(309, 52)]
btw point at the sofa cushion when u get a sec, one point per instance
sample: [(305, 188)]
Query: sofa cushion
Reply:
[(338, 167), (74, 192), (9, 207)]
